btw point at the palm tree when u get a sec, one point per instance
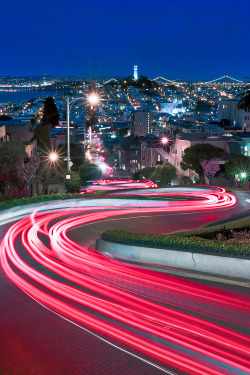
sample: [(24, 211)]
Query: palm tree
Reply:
[(244, 102)]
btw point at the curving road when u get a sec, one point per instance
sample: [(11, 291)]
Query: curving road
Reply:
[(123, 319)]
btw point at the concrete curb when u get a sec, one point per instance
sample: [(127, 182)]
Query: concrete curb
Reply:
[(213, 264)]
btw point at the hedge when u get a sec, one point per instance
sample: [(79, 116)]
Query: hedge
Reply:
[(240, 224), (44, 198), (177, 242)]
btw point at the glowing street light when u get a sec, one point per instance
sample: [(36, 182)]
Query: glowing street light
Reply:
[(93, 99), (164, 140), (53, 156), (243, 175)]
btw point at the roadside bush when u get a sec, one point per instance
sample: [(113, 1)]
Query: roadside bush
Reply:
[(147, 172), (185, 180), (164, 174), (136, 175), (73, 185), (177, 242)]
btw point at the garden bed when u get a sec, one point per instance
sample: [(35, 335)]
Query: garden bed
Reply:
[(213, 240)]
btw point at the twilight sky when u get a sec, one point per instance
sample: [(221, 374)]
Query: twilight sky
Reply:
[(188, 39)]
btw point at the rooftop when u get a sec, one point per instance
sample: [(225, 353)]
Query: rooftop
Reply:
[(200, 136), (14, 123)]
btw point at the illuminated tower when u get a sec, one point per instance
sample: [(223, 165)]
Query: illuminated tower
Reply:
[(135, 72)]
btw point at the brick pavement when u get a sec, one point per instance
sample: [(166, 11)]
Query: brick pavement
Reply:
[(35, 341)]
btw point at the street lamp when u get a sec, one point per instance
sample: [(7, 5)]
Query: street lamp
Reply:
[(243, 175), (53, 156), (93, 99), (164, 140)]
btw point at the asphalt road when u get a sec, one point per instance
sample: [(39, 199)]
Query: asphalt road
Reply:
[(158, 223), (34, 340)]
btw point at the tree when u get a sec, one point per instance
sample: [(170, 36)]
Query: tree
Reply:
[(76, 155), (42, 133), (90, 172), (237, 165), (50, 112), (32, 173), (210, 167), (73, 185), (164, 173), (12, 154), (136, 175), (122, 132), (244, 102), (143, 82), (193, 156), (186, 180), (203, 107), (5, 118), (147, 172)]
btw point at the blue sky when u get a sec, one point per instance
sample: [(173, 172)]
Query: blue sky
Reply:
[(177, 39)]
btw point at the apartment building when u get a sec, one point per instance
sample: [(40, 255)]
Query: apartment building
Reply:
[(228, 110)]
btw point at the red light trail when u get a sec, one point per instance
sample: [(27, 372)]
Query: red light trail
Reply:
[(172, 321), (118, 184)]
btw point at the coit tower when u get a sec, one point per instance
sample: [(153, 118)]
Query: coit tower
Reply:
[(135, 72)]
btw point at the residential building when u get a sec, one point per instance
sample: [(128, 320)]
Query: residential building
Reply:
[(141, 123), (228, 110), (19, 131), (137, 153), (59, 135), (232, 146), (150, 152), (3, 136)]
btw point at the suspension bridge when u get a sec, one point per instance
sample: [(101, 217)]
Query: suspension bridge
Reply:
[(225, 77)]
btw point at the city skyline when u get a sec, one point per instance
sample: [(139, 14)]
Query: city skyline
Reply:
[(188, 40)]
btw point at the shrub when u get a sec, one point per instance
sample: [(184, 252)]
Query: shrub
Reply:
[(178, 242), (186, 180), (73, 185)]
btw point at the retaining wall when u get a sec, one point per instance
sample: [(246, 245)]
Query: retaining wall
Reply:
[(214, 264)]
